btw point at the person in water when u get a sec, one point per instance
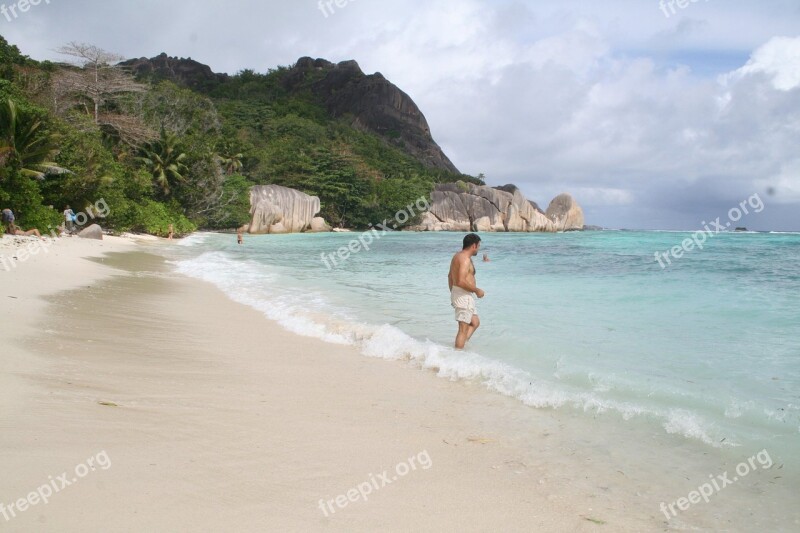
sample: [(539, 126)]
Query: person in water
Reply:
[(461, 281)]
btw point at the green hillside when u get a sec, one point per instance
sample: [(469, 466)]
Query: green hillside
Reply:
[(160, 153)]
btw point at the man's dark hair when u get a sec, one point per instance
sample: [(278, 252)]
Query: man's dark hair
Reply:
[(471, 239)]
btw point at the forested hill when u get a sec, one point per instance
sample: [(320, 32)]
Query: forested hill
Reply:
[(369, 102), (166, 140)]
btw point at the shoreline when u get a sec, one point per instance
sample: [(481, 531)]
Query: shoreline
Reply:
[(202, 403)]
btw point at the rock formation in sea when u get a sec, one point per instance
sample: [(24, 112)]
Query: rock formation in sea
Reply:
[(468, 207), (277, 209), (565, 212)]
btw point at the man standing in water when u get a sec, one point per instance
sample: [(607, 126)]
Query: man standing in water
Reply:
[(462, 286)]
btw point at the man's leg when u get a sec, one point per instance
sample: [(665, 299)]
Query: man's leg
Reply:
[(463, 335), (474, 325)]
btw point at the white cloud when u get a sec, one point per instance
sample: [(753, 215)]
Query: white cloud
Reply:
[(779, 59)]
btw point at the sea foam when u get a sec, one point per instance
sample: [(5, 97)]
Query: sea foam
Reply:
[(308, 313)]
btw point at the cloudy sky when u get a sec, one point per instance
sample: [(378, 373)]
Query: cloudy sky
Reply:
[(651, 116)]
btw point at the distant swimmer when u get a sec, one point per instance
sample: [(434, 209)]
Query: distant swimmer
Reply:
[(461, 281), (486, 258), (240, 235)]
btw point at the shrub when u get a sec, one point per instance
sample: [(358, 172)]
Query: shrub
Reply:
[(154, 218)]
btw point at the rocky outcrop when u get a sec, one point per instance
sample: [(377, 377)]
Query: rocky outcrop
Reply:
[(276, 209), (375, 105), (565, 212), (92, 232), (318, 225), (468, 207), (186, 72)]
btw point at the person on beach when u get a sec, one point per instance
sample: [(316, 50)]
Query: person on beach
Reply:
[(171, 231), (19, 232), (8, 220), (12, 229), (461, 281), (69, 220)]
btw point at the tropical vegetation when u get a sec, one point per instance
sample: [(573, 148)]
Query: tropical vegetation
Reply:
[(159, 153)]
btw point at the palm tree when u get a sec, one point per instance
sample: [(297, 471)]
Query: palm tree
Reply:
[(231, 163), (165, 161), (24, 143)]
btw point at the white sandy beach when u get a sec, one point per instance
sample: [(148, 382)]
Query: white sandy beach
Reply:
[(201, 415)]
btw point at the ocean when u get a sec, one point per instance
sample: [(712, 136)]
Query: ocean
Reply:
[(706, 349)]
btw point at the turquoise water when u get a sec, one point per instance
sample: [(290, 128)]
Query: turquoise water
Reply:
[(707, 349)]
